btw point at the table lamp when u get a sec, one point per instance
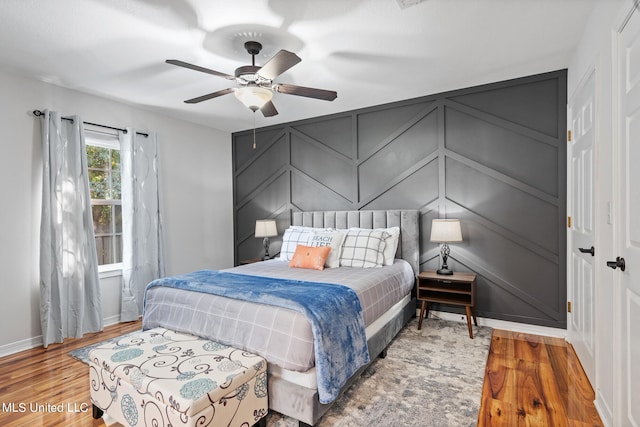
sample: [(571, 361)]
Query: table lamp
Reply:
[(266, 228), (445, 231)]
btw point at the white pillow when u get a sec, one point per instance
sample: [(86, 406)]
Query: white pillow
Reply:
[(293, 236), (329, 238), (391, 242), (363, 248)]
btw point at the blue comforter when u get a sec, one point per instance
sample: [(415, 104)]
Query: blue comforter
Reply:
[(334, 312)]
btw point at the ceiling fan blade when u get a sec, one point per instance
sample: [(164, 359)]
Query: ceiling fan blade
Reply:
[(208, 96), (198, 68), (269, 110), (309, 92), (278, 64)]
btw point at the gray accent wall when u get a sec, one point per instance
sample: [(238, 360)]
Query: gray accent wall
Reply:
[(493, 156)]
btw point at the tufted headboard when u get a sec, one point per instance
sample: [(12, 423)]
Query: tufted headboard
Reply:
[(407, 220)]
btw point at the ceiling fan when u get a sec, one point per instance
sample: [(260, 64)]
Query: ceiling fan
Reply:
[(255, 84)]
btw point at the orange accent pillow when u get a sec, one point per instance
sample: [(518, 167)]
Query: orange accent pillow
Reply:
[(310, 257)]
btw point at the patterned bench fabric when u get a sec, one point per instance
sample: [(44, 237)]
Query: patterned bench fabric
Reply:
[(160, 377)]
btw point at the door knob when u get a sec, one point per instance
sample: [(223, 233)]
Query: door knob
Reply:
[(591, 251), (618, 263)]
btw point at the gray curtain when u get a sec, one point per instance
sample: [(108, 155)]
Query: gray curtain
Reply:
[(70, 301), (142, 251)]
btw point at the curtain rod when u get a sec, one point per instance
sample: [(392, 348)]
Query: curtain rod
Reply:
[(39, 113)]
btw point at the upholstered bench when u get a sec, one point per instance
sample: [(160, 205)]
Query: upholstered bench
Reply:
[(160, 377)]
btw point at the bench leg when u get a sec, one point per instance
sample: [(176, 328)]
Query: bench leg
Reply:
[(97, 412)]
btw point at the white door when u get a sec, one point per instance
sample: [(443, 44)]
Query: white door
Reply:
[(581, 329), (628, 224)]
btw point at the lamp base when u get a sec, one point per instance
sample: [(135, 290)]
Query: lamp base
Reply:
[(444, 267), (265, 243), (445, 271)]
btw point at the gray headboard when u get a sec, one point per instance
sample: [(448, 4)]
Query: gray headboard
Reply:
[(407, 220)]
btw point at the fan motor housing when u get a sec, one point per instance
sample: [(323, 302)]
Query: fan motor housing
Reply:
[(247, 70), (248, 74)]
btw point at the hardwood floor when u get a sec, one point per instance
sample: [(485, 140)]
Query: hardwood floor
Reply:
[(530, 381), (46, 387)]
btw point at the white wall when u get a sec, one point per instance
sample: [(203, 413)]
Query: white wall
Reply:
[(595, 50), (197, 196)]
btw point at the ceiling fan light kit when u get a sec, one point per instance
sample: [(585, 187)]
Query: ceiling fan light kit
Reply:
[(255, 84), (253, 97)]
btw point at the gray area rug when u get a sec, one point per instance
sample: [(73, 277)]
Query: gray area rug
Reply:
[(430, 378)]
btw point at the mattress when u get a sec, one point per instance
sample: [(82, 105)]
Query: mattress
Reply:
[(280, 335)]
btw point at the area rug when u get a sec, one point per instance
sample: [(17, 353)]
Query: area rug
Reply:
[(430, 378)]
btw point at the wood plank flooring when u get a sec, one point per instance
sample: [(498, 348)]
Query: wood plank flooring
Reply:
[(35, 383), (530, 381)]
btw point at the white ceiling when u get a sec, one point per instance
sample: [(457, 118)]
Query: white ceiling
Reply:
[(369, 51)]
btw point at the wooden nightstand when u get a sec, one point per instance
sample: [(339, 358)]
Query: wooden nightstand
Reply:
[(455, 289)]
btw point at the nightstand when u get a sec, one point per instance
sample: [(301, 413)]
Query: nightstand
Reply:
[(455, 289)]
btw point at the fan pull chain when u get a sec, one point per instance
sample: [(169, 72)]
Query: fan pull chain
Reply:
[(254, 130)]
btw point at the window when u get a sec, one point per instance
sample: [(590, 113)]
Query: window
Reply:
[(103, 161)]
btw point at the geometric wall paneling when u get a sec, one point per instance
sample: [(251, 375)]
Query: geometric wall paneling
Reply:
[(379, 124), (334, 133), (397, 155), (508, 270), (255, 172), (308, 194), (269, 202), (325, 165), (269, 199), (511, 267), (416, 188), (521, 100), (490, 142), (478, 245), (493, 156), (250, 247), (534, 219), (429, 251), (243, 150), (496, 303)]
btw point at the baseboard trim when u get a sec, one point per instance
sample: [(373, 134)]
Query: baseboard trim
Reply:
[(606, 415), (18, 346), (503, 324), (111, 320), (33, 342)]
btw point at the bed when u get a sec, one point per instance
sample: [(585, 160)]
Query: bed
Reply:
[(286, 337)]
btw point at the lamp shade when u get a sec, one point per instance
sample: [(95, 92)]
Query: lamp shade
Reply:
[(266, 228), (446, 230), (253, 97)]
